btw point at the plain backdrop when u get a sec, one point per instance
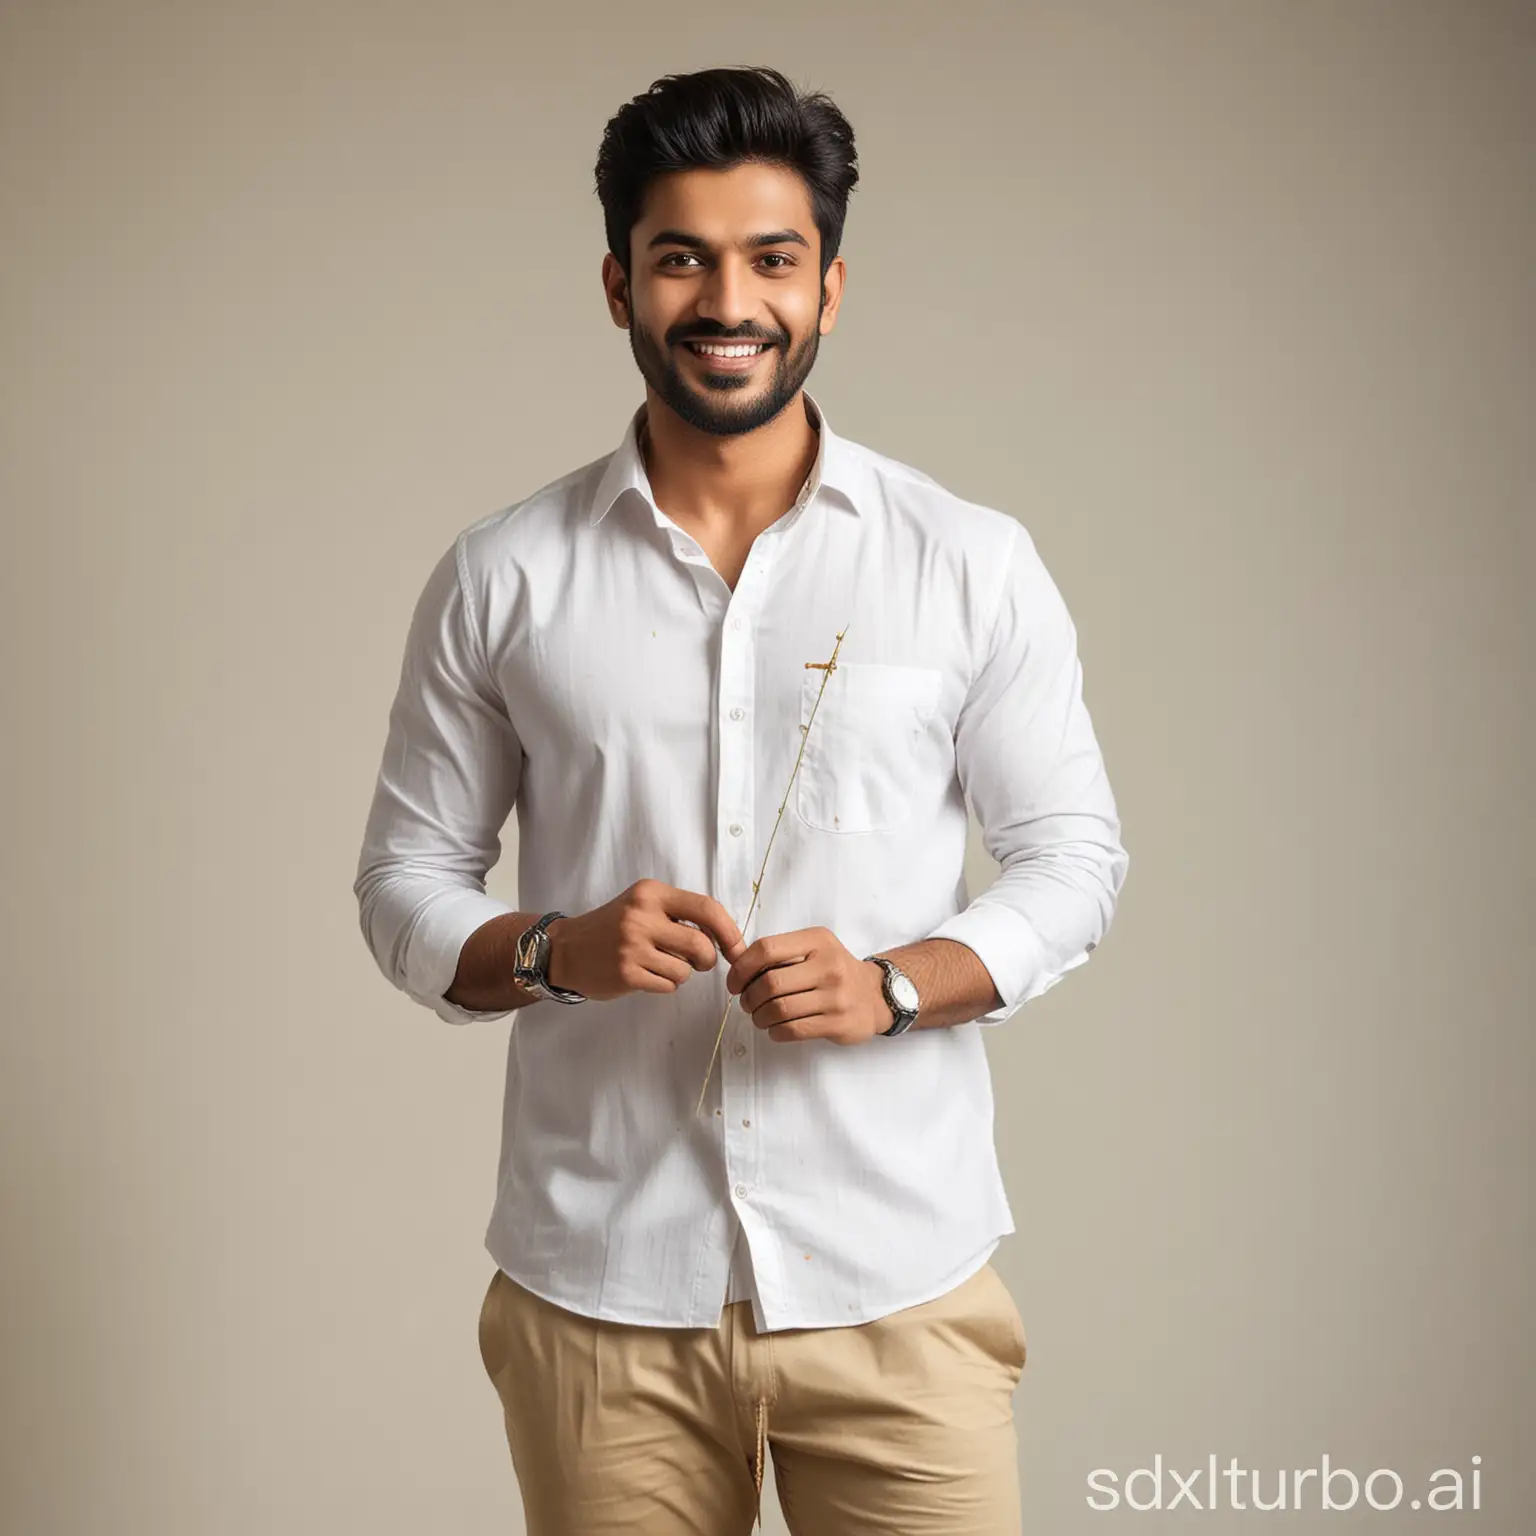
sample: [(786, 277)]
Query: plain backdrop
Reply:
[(1230, 303)]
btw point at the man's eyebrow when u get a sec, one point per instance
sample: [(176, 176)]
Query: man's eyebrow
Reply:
[(752, 242)]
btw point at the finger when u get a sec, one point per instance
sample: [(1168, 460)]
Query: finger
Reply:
[(669, 967), (707, 913), (780, 983), (789, 978), (727, 935), (650, 982), (754, 960), (689, 942), (790, 1034), (806, 1011), (770, 950)]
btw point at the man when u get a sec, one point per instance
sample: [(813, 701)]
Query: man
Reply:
[(741, 635)]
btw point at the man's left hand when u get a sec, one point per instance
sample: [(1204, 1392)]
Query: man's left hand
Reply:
[(806, 985)]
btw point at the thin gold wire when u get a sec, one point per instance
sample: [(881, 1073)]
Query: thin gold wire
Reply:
[(827, 668)]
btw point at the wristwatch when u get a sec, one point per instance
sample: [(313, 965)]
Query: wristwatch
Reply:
[(900, 992), (530, 966)]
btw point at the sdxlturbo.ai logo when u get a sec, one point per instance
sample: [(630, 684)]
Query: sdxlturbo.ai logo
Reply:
[(1284, 1488)]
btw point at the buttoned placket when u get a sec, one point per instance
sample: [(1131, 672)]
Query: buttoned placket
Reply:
[(739, 854), (739, 860), (738, 851)]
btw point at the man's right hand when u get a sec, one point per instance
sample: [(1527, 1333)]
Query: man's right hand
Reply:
[(649, 938)]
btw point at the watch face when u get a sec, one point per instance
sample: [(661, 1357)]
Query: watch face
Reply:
[(904, 992)]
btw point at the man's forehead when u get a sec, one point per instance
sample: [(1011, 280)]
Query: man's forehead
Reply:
[(728, 204)]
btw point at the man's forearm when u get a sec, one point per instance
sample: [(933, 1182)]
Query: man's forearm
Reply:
[(955, 987), (483, 982), (951, 980)]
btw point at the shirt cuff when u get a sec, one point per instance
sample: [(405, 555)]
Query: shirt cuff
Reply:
[(1005, 944), (435, 946)]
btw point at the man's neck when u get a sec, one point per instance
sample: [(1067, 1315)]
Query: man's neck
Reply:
[(746, 482)]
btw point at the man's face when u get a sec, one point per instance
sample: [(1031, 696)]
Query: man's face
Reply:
[(696, 275)]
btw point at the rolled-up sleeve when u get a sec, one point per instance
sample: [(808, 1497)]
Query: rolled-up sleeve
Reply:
[(1032, 771), (448, 781)]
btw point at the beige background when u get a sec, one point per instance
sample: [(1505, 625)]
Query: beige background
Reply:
[(1231, 303)]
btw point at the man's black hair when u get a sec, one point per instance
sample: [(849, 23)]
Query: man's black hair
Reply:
[(717, 118)]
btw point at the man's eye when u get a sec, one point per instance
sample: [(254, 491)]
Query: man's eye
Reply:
[(689, 256)]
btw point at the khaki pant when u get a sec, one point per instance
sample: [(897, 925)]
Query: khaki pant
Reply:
[(903, 1425)]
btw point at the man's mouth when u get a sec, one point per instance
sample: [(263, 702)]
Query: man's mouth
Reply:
[(727, 356)]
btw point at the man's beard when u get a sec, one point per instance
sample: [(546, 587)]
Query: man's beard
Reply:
[(725, 410)]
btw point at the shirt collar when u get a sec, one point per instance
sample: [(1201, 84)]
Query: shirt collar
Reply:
[(838, 467)]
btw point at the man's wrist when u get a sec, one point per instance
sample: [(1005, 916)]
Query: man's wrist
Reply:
[(954, 985)]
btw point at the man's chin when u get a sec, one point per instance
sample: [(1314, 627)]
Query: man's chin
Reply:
[(724, 413)]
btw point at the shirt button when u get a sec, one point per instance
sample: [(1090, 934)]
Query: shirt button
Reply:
[(747, 1123), (741, 1191), (735, 829), (736, 623), (737, 713), (741, 1050)]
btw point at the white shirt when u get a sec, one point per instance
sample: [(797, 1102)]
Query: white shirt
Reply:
[(576, 655)]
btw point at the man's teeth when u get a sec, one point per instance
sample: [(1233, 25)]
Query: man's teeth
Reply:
[(718, 351)]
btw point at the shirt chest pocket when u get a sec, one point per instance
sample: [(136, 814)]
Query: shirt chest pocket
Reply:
[(861, 754)]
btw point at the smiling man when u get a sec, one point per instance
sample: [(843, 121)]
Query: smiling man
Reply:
[(639, 657)]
